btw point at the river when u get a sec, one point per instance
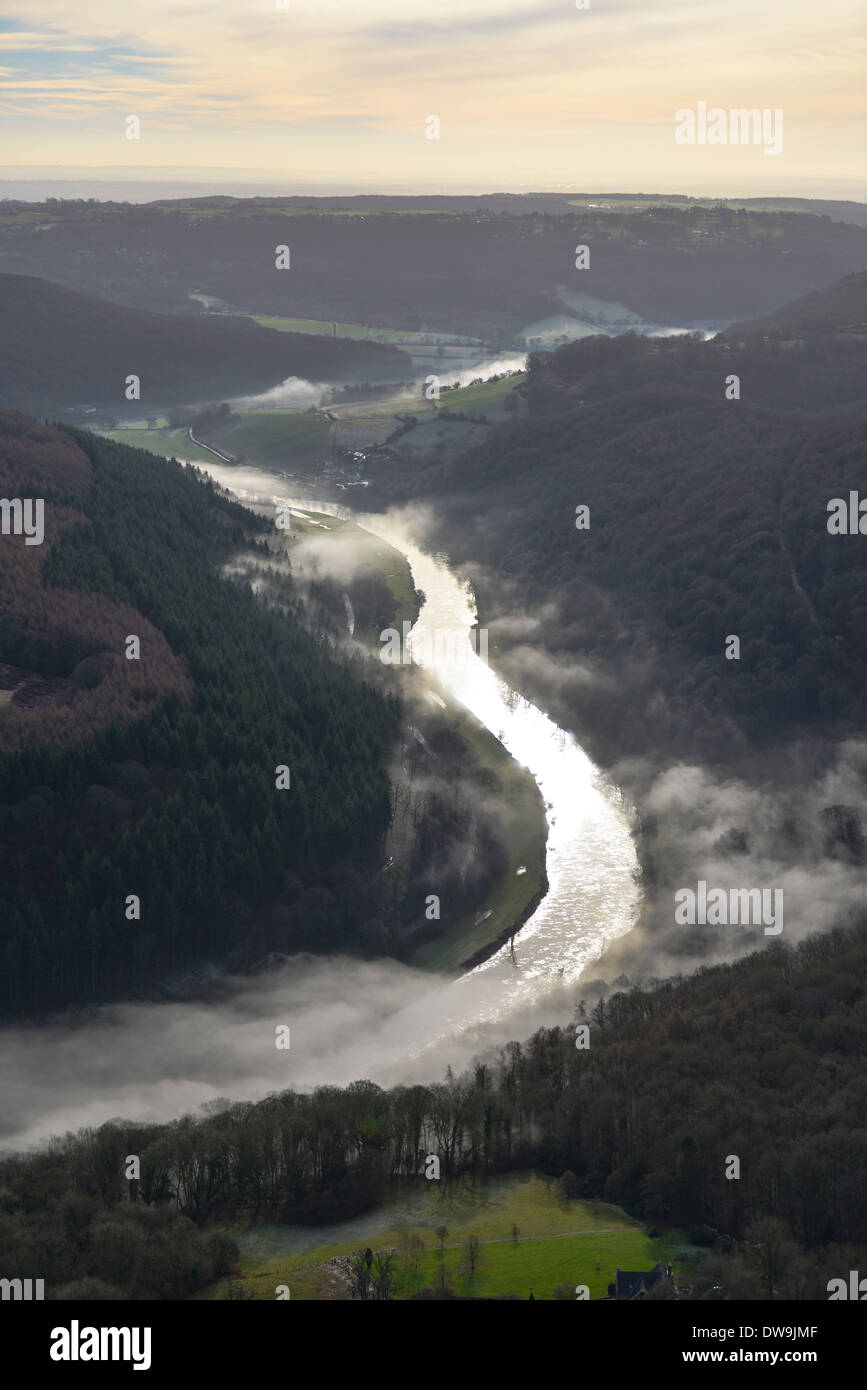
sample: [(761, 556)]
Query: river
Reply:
[(591, 861), (378, 1020)]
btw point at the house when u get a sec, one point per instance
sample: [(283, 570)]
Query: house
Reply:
[(631, 1284)]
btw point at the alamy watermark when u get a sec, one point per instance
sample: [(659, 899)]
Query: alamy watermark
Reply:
[(719, 907), (847, 517), (442, 646), (77, 1343), (23, 517), (740, 125), (22, 1290), (855, 1290)]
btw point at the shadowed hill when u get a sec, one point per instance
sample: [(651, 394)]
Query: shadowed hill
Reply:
[(483, 272), (840, 308), (59, 348), (155, 776)]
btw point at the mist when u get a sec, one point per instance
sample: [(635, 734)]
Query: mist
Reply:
[(349, 1020), (295, 392)]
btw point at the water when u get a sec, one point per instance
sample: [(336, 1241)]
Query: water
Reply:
[(591, 859)]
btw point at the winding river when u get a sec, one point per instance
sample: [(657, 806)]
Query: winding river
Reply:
[(377, 1020), (591, 860)]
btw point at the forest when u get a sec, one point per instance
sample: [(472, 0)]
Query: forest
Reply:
[(155, 777), (707, 517), (162, 784), (676, 1077), (437, 268)]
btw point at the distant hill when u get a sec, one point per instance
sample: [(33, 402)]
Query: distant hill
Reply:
[(489, 268), (840, 308), (60, 348)]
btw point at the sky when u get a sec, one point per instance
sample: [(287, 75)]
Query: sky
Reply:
[(528, 94)]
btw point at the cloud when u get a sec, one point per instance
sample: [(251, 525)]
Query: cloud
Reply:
[(523, 91)]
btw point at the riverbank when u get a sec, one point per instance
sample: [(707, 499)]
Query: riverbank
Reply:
[(517, 892)]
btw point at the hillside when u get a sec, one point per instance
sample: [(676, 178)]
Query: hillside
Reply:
[(708, 517), (155, 776), (61, 349), (492, 271), (840, 308)]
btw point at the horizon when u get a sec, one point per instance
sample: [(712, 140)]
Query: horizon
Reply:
[(199, 186), (514, 95)]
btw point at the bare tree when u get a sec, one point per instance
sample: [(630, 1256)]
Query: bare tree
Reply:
[(382, 1274), (772, 1251), (361, 1283), (473, 1251)]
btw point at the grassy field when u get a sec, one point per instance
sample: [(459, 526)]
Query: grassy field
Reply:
[(559, 1242), (170, 443), (372, 556), (442, 433), (488, 393), (274, 438), (359, 330)]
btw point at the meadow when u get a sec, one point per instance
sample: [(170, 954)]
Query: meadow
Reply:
[(560, 1242)]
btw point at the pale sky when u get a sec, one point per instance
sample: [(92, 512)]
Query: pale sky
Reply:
[(528, 93)]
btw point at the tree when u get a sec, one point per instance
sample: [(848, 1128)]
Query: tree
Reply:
[(473, 1252), (568, 1185), (360, 1280), (771, 1251), (382, 1274), (441, 1233)]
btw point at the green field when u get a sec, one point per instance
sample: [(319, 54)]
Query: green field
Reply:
[(273, 438), (367, 331), (559, 1242), (171, 443), (488, 393), (372, 555)]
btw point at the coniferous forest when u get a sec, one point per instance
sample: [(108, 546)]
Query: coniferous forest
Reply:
[(179, 806)]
